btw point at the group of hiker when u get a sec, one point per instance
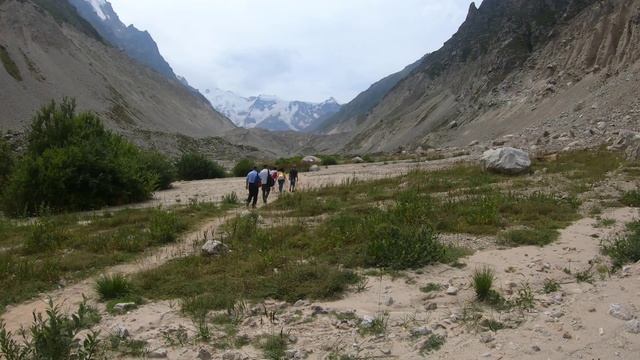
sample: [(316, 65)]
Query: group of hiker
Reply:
[(266, 179)]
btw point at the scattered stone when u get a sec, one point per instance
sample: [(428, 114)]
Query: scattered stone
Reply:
[(452, 290), (453, 125), (421, 331), (431, 306), (486, 338), (592, 310), (296, 354), (311, 160), (506, 160), (536, 348), (367, 321), (214, 248), (123, 307), (300, 303), (314, 168), (158, 354), (319, 310), (204, 354), (556, 314), (120, 331), (620, 311), (474, 143), (632, 326), (567, 336), (389, 301), (357, 160), (601, 331)]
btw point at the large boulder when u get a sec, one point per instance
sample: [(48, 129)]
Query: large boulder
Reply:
[(357, 160), (311, 160), (506, 160), (314, 168)]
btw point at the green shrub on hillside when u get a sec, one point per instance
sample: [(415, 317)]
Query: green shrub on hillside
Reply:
[(194, 166), (74, 163), (6, 161), (243, 167), (329, 160)]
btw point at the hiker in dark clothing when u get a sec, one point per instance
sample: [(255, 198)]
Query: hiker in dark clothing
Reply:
[(293, 179), (253, 183)]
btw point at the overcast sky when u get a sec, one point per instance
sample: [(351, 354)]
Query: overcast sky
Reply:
[(295, 49)]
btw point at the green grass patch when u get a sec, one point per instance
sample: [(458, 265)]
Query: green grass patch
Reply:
[(36, 256), (625, 249), (631, 198), (113, 287), (521, 237)]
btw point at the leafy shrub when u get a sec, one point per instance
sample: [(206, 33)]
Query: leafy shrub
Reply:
[(625, 249), (111, 287), (53, 337), (329, 160), (275, 347), (44, 235), (631, 198), (6, 161), (243, 167), (194, 166), (165, 227), (74, 163), (482, 283), (433, 343), (159, 165), (402, 248), (550, 286)]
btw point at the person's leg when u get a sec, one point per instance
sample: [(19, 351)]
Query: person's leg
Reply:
[(264, 193), (254, 195)]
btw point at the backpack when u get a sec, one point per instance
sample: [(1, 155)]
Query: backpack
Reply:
[(270, 181)]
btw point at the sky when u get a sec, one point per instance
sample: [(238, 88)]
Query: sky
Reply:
[(294, 49)]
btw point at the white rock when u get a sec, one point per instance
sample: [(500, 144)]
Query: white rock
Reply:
[(486, 338), (122, 307), (421, 331), (632, 326), (120, 331), (620, 311), (311, 160), (452, 290), (158, 354), (314, 168), (367, 321), (357, 160), (506, 160), (214, 248)]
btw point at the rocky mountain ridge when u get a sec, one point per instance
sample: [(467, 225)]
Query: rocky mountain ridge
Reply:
[(516, 69)]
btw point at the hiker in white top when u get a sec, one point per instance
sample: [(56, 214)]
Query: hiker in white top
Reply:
[(265, 179)]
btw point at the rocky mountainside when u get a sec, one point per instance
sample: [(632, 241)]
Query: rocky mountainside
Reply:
[(48, 51), (270, 112), (137, 44), (534, 72)]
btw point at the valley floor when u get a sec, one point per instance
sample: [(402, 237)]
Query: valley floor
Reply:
[(564, 291)]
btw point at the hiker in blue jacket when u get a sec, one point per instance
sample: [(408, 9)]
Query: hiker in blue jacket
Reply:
[(253, 185)]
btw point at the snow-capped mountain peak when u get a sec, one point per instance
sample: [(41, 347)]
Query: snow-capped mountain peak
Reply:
[(269, 111)]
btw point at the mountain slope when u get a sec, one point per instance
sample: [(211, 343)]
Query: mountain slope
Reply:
[(56, 58), (270, 112), (137, 44), (512, 66)]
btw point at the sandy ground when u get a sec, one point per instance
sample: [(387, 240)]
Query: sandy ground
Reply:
[(213, 190), (573, 323)]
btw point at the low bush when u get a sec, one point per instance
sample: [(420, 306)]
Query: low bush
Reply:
[(193, 166), (329, 160), (111, 287), (625, 249), (6, 161), (73, 163), (274, 347), (243, 167), (631, 198), (44, 236), (400, 248), (53, 337)]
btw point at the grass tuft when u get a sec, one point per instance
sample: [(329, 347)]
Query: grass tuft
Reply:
[(483, 282), (625, 249), (113, 287)]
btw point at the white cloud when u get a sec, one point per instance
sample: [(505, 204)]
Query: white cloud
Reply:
[(296, 49)]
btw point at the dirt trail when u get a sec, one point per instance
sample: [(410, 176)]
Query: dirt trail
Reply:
[(573, 323), (214, 190), (69, 297)]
